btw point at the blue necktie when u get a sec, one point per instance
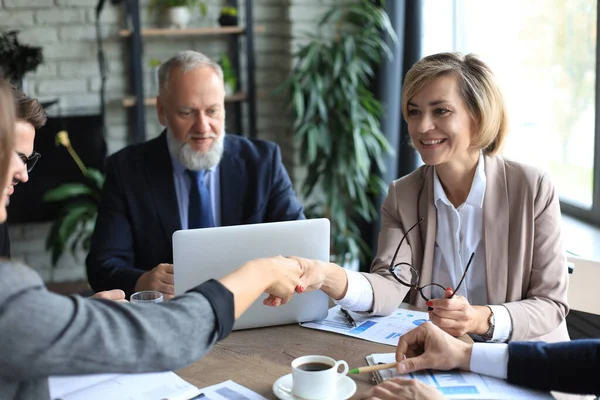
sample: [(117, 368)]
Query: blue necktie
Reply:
[(199, 209)]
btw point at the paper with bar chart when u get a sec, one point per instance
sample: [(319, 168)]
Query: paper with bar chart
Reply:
[(385, 330), (458, 384)]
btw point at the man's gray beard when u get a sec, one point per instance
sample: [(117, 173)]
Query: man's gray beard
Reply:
[(195, 160)]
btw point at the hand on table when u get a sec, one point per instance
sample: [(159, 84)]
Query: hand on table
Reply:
[(159, 278), (115, 295), (402, 389), (427, 346), (456, 316)]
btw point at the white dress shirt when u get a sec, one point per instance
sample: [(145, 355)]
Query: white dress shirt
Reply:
[(490, 359), (459, 234)]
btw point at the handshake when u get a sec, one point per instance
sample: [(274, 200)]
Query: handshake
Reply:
[(290, 275), (280, 277)]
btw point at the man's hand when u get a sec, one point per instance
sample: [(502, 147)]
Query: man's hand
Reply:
[(114, 295), (159, 278), (402, 389), (285, 273), (427, 346)]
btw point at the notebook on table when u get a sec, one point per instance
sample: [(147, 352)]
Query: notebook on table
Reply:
[(457, 384), (154, 386)]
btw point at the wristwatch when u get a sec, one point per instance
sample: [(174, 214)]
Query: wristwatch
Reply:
[(491, 321)]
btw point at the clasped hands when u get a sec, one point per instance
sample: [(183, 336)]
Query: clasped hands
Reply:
[(312, 278), (161, 278)]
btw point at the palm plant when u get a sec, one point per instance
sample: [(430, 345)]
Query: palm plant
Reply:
[(337, 120), (75, 223)]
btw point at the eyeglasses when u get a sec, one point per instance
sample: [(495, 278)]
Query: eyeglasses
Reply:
[(29, 161), (405, 272)]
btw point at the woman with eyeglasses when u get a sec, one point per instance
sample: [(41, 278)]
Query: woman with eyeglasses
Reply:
[(475, 236)]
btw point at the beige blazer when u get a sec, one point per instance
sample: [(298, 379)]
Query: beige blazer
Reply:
[(526, 266)]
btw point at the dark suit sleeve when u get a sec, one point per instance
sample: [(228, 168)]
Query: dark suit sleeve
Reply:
[(572, 367), (282, 205), (4, 241), (111, 261)]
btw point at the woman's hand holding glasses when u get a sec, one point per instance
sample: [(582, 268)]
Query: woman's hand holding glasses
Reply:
[(457, 317)]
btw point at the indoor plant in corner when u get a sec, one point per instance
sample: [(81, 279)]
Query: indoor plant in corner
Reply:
[(178, 11), (17, 59), (336, 121), (75, 223)]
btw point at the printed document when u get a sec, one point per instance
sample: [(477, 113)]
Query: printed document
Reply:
[(458, 384), (385, 330), (229, 390), (154, 386)]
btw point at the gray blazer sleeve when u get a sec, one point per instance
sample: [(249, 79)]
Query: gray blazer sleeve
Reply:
[(48, 334)]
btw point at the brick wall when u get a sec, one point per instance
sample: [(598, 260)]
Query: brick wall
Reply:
[(65, 29)]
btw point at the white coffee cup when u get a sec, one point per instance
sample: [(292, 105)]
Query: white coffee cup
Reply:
[(316, 377)]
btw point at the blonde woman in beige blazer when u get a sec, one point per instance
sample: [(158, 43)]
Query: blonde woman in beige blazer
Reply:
[(496, 218)]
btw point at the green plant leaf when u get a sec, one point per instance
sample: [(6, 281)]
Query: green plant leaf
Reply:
[(96, 177), (336, 119), (68, 191)]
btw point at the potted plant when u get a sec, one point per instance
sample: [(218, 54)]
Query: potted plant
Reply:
[(337, 124), (228, 16), (178, 11), (18, 59), (229, 75), (154, 66), (77, 217)]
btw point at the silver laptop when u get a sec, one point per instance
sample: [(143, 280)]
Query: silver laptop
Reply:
[(202, 254)]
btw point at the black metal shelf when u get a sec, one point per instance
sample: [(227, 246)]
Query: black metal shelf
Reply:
[(217, 30), (130, 101), (134, 35)]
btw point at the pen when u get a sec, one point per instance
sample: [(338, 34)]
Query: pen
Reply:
[(351, 320), (372, 368), (199, 396)]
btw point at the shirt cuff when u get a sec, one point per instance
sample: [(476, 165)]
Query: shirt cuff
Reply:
[(221, 300), (490, 359), (502, 324), (359, 296)]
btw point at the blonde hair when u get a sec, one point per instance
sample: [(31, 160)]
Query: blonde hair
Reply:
[(478, 89), (7, 128)]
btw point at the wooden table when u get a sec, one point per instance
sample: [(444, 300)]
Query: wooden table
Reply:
[(256, 358)]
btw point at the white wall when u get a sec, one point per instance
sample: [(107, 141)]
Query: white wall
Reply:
[(65, 29)]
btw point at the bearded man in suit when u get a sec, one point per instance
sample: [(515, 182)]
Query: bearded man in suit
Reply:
[(192, 176)]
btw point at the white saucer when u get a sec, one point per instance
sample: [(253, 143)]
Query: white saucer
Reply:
[(283, 388)]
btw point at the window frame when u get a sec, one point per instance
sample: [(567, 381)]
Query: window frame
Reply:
[(591, 215), (586, 215)]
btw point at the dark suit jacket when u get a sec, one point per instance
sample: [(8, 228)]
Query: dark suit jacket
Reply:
[(572, 367), (4, 241), (138, 213)]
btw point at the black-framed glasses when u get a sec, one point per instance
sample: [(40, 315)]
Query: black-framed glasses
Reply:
[(405, 272), (29, 161)]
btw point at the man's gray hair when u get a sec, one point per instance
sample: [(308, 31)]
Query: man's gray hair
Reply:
[(187, 60)]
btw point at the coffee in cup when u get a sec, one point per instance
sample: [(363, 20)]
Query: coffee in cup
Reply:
[(316, 377)]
